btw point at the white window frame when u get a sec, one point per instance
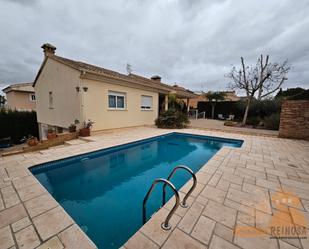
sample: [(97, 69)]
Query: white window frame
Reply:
[(147, 108), (30, 96), (117, 94)]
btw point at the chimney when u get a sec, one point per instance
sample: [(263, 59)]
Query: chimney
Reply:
[(156, 78), (48, 49)]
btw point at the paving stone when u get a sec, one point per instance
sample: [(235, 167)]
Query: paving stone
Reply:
[(53, 243), (276, 172), (232, 178), (27, 238), (299, 217), (31, 191), (22, 223), (214, 179), (180, 240), (219, 243), (203, 229), (40, 204), (246, 219), (223, 185), (140, 241), (10, 196), (220, 213), (268, 184), (202, 200), (214, 194), (284, 245), (11, 215), (255, 242), (73, 238), (224, 232), (187, 222), (52, 222), (203, 177), (152, 229), (22, 182), (6, 238)]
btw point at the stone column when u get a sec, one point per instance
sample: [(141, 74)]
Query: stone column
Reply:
[(166, 103)]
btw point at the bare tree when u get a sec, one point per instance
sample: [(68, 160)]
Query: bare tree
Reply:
[(262, 79)]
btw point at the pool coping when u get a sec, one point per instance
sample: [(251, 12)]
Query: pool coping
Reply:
[(67, 232)]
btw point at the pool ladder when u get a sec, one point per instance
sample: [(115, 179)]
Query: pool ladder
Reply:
[(166, 225)]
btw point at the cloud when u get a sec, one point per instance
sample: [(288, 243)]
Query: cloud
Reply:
[(193, 43)]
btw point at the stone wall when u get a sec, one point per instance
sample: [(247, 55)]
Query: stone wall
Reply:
[(294, 120)]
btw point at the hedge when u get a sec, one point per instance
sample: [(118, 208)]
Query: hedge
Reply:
[(17, 124), (259, 109)]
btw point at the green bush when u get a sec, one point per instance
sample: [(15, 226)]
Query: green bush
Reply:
[(17, 124), (172, 119), (272, 122), (254, 121)]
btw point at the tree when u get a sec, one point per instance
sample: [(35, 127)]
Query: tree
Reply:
[(213, 98), (2, 100), (262, 80), (289, 92)]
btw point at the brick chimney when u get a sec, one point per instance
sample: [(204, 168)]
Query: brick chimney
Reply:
[(156, 78), (48, 49)]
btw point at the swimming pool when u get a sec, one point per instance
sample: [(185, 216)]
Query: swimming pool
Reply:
[(103, 191)]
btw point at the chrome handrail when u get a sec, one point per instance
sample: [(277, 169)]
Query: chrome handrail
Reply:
[(184, 202), (165, 225)]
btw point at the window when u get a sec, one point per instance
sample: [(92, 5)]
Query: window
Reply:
[(51, 100), (116, 100), (32, 97), (146, 102)]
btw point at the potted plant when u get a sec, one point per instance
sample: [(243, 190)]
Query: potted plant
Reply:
[(72, 127), (51, 134), (32, 141), (85, 131)]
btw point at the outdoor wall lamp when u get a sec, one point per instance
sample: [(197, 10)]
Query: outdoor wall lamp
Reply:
[(85, 89), (77, 89)]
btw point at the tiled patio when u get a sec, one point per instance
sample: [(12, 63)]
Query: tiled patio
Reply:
[(264, 183)]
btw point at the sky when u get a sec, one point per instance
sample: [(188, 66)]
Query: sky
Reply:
[(193, 43)]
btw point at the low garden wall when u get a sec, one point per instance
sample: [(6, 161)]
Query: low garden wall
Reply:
[(294, 120)]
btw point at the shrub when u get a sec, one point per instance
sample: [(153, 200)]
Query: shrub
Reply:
[(272, 122), (172, 118), (16, 124), (254, 121)]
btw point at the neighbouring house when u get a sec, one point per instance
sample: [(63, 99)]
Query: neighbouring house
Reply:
[(20, 96), (200, 96), (67, 90)]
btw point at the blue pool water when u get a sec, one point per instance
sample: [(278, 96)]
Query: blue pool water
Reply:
[(103, 191)]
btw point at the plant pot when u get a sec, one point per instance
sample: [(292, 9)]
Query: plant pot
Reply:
[(84, 132), (51, 135), (72, 129), (32, 142)]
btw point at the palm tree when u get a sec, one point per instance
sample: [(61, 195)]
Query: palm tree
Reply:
[(213, 98)]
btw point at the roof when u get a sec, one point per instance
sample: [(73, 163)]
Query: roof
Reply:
[(20, 87), (131, 78)]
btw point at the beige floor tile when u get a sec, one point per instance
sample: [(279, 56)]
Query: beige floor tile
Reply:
[(40, 204), (224, 232), (220, 213), (27, 238), (53, 243), (187, 222), (73, 238), (219, 243), (214, 194), (152, 229), (203, 229), (31, 191), (52, 222), (9, 196), (22, 223), (140, 241), (11, 215), (180, 240), (6, 238)]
